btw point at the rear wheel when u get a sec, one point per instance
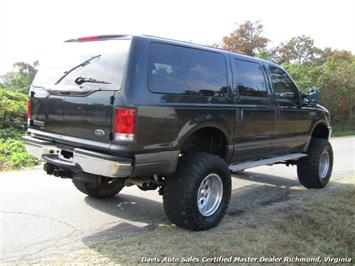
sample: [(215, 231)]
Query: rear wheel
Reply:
[(196, 197), (314, 171), (102, 190)]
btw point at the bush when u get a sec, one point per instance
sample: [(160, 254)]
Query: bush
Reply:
[(13, 107), (14, 155), (11, 133)]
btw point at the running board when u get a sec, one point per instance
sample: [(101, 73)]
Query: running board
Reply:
[(269, 161)]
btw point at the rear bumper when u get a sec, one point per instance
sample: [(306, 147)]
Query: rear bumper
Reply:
[(146, 164), (82, 160)]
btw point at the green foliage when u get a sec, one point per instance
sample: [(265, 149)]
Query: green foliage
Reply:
[(13, 108), (334, 74), (337, 83), (299, 50), (264, 54), (14, 155), (12, 127), (20, 80), (305, 76), (11, 133)]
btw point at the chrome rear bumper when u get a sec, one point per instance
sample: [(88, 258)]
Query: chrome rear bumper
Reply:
[(83, 160)]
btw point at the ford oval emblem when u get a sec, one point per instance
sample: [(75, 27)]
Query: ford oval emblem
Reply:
[(99, 132)]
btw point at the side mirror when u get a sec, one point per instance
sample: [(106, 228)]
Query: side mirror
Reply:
[(312, 97)]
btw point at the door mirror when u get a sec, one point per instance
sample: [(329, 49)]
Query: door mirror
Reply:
[(312, 97)]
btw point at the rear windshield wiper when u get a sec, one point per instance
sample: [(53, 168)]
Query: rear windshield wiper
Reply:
[(81, 80), (66, 73)]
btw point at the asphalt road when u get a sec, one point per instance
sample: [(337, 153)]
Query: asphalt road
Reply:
[(41, 214)]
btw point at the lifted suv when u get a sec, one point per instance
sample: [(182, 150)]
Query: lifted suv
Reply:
[(115, 111)]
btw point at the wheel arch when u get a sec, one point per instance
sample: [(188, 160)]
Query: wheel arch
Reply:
[(207, 131), (319, 130)]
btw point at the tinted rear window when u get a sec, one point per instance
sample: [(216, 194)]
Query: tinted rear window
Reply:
[(181, 70), (250, 79), (107, 60)]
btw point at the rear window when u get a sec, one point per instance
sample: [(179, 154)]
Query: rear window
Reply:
[(97, 64), (181, 70)]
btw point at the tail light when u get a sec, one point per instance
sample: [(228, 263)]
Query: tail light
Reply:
[(29, 106), (125, 124)]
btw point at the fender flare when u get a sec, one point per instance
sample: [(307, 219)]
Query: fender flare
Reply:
[(191, 127), (318, 123)]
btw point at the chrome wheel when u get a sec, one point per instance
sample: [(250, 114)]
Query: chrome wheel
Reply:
[(324, 163), (210, 194)]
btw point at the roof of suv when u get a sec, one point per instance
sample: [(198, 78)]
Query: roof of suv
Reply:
[(199, 46), (166, 40)]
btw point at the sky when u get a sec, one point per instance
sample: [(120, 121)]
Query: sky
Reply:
[(28, 28)]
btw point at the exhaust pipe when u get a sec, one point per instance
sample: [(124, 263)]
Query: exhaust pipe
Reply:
[(142, 183), (56, 171)]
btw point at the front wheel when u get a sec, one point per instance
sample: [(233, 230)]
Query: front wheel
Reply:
[(196, 197), (314, 171)]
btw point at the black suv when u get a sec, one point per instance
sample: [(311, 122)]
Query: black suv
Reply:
[(122, 110)]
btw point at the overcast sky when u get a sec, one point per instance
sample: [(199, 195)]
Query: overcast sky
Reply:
[(27, 28)]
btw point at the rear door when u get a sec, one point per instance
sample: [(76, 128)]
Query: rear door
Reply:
[(73, 95), (255, 115), (88, 116)]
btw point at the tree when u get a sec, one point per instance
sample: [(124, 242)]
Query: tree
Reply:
[(335, 55), (21, 79), (300, 50), (333, 73), (264, 54), (246, 38), (337, 83), (306, 76)]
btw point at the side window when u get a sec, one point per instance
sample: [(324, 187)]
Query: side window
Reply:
[(181, 70), (250, 78), (282, 84)]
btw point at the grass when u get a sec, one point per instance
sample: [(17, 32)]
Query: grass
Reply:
[(343, 133), (323, 227)]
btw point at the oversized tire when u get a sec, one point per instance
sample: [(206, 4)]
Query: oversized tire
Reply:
[(314, 171), (103, 190), (197, 195)]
